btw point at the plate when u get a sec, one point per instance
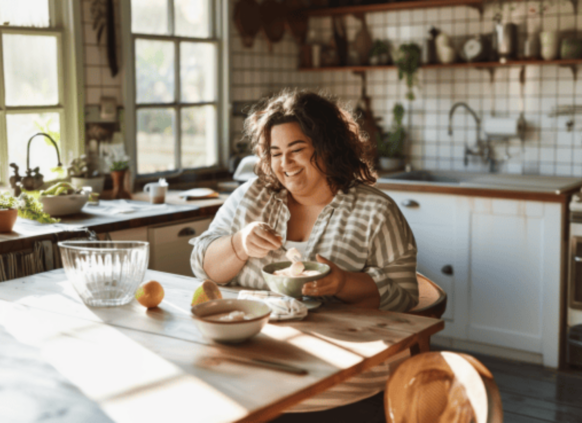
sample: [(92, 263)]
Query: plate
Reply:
[(310, 303)]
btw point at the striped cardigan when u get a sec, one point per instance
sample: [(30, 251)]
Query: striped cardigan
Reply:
[(361, 231)]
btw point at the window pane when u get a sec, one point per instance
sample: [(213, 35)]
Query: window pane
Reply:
[(42, 152), (154, 68), (31, 78), (155, 140), (149, 16), (199, 136), (24, 13), (192, 18), (198, 72)]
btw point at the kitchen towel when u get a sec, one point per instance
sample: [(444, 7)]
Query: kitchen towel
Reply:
[(282, 308), (505, 127)]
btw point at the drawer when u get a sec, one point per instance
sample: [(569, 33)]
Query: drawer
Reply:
[(169, 247), (425, 208)]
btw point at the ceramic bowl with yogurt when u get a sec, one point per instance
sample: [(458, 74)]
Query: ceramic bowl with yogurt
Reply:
[(292, 285), (230, 321)]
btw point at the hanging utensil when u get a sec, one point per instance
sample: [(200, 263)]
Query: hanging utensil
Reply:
[(247, 20), (272, 16)]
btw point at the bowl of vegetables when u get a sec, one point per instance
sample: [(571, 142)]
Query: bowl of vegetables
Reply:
[(63, 199)]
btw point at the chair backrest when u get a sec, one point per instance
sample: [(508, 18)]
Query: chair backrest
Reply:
[(442, 387), (432, 298)]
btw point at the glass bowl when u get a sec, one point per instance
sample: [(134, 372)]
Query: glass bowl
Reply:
[(105, 273)]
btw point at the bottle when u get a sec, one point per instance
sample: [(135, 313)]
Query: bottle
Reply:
[(429, 48)]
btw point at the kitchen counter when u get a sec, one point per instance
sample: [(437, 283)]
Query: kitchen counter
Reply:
[(521, 187), (108, 216)]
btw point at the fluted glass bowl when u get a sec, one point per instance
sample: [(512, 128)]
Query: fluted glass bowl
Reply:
[(105, 273)]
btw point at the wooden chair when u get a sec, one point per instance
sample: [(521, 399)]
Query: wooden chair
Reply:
[(442, 387), (433, 303), (433, 300)]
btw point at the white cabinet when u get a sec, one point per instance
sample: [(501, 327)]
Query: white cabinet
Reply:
[(170, 250), (505, 256)]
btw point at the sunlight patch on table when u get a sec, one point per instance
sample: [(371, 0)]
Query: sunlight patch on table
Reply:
[(333, 354), (130, 382)]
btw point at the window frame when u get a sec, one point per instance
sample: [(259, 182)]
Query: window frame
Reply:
[(65, 25), (219, 17)]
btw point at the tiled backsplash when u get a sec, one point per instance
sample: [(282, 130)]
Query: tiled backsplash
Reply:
[(98, 80), (549, 148)]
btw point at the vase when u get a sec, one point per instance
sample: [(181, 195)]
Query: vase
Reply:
[(549, 41), (7, 220), (96, 184), (119, 190)]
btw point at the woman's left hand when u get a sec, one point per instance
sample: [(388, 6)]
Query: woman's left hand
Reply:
[(328, 285)]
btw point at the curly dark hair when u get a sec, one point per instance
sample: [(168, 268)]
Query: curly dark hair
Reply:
[(345, 150)]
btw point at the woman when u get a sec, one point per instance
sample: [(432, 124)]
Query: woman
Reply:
[(313, 192)]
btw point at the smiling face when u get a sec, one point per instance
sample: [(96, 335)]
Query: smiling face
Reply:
[(291, 151)]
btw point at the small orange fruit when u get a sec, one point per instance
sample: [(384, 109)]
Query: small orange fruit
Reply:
[(150, 294), (206, 292)]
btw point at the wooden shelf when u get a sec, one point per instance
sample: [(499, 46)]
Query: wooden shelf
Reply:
[(574, 62), (404, 5)]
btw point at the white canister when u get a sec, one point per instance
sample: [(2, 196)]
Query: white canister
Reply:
[(549, 43)]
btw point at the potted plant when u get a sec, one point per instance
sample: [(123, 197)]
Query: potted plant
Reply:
[(379, 54), (408, 62), (25, 206), (119, 168), (391, 145), (83, 176)]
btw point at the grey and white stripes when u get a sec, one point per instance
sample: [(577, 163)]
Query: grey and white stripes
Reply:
[(361, 231)]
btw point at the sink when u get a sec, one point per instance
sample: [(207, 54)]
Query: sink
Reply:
[(423, 176), (512, 182)]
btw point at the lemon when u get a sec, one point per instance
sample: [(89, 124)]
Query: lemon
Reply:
[(206, 292), (150, 294)]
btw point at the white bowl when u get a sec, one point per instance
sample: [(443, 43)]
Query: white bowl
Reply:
[(62, 205), (231, 331)]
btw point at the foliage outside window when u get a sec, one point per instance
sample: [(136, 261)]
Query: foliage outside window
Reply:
[(176, 64)]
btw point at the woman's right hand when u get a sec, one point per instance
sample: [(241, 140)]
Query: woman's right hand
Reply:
[(258, 238)]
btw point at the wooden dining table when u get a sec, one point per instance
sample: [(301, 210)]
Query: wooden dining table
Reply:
[(61, 360)]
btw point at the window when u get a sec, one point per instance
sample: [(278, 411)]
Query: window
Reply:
[(33, 67), (174, 97)]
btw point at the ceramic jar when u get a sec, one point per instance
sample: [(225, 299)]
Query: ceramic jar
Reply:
[(549, 41)]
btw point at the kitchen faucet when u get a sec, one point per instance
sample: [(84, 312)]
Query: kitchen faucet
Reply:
[(468, 151), (32, 182)]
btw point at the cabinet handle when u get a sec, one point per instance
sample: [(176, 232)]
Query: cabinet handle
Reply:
[(447, 269), (410, 203), (187, 232), (577, 259)]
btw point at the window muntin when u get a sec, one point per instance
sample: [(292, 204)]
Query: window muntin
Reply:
[(32, 90), (176, 84)]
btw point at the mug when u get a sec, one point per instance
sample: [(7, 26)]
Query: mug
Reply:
[(157, 192)]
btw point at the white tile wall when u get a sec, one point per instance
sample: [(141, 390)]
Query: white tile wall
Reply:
[(98, 79), (548, 147)]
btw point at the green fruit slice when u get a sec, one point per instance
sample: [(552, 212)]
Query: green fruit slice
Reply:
[(206, 292)]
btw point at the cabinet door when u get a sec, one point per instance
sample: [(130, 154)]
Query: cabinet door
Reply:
[(514, 278), (431, 218), (169, 247)]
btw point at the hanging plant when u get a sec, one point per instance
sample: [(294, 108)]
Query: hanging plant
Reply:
[(408, 62)]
